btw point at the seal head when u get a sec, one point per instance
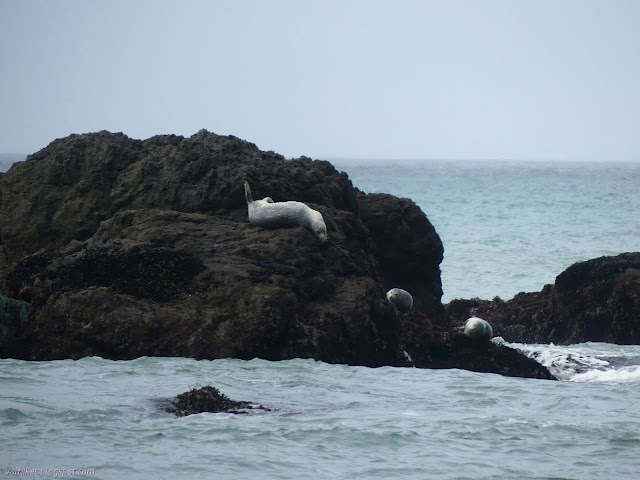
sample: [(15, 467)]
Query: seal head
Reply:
[(401, 299)]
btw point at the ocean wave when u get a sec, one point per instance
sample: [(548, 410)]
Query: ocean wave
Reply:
[(12, 415), (586, 362), (622, 375)]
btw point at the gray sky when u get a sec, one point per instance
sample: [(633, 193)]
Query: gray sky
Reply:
[(367, 79)]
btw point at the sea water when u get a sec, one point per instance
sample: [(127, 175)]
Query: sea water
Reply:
[(506, 227), (509, 227), (326, 421)]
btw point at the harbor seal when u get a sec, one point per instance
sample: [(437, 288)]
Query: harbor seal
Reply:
[(269, 214), (478, 329), (401, 299)]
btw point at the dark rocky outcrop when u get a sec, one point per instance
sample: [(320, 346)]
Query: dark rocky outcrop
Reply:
[(64, 191), (124, 248), (12, 314), (438, 347), (593, 301), (208, 399), (407, 247), (167, 283)]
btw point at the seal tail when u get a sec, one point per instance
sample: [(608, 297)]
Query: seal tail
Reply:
[(247, 192)]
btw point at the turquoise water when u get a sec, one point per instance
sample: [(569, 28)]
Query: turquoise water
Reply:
[(506, 227), (509, 227)]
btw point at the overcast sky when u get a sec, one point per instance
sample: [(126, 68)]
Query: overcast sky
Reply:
[(365, 79)]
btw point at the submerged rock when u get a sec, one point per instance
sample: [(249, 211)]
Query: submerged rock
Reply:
[(208, 399), (593, 301)]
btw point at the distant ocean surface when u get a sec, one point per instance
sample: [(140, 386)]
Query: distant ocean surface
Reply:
[(509, 227), (506, 227)]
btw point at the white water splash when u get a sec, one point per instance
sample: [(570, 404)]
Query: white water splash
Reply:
[(585, 362)]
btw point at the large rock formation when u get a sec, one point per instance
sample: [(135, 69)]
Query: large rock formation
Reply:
[(409, 251), (64, 191), (593, 301), (125, 248), (167, 283)]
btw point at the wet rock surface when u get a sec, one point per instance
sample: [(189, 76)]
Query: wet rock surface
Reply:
[(123, 248), (12, 314), (593, 301), (63, 192), (208, 399), (408, 248), (433, 346)]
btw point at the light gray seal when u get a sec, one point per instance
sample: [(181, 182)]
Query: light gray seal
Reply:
[(478, 329), (269, 214), (401, 299)]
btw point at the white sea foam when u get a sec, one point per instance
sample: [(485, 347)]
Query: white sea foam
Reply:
[(621, 375), (586, 362)]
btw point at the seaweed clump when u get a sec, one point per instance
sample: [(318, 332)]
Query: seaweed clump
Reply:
[(208, 399)]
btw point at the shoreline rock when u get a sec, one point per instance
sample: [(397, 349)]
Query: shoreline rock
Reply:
[(124, 248), (440, 347), (593, 301)]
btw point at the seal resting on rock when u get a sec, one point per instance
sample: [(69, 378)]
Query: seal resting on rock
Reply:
[(269, 214), (401, 299), (478, 329)]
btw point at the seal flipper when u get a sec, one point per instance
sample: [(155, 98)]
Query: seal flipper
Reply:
[(247, 192)]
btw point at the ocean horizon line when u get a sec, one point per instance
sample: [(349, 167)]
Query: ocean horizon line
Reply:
[(409, 160), (15, 156)]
